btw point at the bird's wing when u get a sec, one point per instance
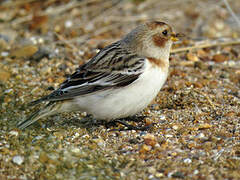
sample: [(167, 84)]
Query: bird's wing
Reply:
[(112, 67)]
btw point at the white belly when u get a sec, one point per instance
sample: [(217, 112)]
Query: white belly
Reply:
[(123, 102)]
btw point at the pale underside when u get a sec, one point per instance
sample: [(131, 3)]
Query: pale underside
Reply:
[(126, 101)]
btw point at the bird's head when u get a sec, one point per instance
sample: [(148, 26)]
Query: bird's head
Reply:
[(152, 39)]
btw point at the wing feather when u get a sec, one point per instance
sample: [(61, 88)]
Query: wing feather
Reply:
[(112, 67)]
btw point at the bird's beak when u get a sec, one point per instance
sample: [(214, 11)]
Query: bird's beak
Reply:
[(174, 37)]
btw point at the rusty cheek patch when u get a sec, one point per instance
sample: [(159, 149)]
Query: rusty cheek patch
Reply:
[(159, 41), (158, 62)]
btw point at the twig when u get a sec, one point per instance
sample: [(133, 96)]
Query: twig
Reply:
[(231, 12), (106, 11), (66, 7), (200, 46)]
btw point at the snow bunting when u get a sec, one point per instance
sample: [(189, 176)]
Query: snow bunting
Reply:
[(121, 80)]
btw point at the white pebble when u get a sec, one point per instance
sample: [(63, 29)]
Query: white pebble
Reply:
[(4, 54), (68, 24), (18, 159), (40, 40), (34, 40), (187, 160), (195, 171), (81, 53), (200, 136), (162, 117), (168, 135), (14, 133), (175, 127), (75, 150)]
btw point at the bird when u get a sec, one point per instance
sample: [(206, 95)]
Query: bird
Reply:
[(119, 81)]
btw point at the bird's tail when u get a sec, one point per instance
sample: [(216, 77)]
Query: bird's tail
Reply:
[(50, 109)]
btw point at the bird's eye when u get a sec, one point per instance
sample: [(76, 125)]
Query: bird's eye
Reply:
[(165, 32)]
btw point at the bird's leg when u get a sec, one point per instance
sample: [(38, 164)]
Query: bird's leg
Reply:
[(129, 126), (134, 118)]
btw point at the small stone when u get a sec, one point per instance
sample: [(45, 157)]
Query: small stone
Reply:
[(202, 54), (4, 75), (192, 57), (175, 127), (204, 126), (18, 159), (200, 65), (187, 160), (200, 136), (3, 44), (195, 171), (148, 121), (162, 117), (43, 157), (40, 53), (25, 51), (14, 133), (8, 91), (237, 72), (75, 150), (218, 58), (4, 53), (152, 170), (178, 175), (169, 135), (159, 175), (145, 148), (68, 24), (150, 139), (100, 142), (81, 53)]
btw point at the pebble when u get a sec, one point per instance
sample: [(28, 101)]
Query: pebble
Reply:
[(192, 57), (200, 136), (204, 126), (14, 133), (150, 139), (159, 175), (68, 24), (100, 142), (187, 160), (4, 53), (75, 150), (195, 171), (8, 91), (162, 117), (168, 135), (145, 148), (25, 51), (18, 159), (175, 127), (220, 58), (4, 75), (152, 170)]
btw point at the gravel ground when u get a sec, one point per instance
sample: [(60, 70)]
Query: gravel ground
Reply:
[(196, 115)]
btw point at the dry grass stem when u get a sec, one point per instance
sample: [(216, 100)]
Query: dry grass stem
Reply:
[(231, 12), (206, 45)]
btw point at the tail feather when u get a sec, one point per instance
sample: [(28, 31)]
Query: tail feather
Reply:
[(48, 110), (33, 103)]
